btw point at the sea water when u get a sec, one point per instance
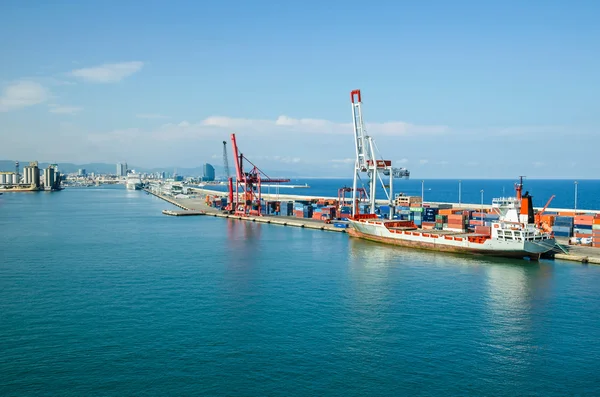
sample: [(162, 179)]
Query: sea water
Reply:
[(101, 294)]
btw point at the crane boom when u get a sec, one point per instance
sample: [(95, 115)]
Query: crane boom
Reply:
[(247, 195)]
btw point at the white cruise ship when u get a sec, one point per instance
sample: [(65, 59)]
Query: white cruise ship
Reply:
[(133, 181)]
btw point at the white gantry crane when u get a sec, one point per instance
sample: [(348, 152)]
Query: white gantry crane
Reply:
[(367, 162)]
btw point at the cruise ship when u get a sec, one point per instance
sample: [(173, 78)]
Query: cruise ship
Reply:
[(133, 181)]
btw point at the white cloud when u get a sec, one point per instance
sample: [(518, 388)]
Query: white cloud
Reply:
[(344, 161), (284, 123), (402, 161), (151, 116), (287, 159), (184, 124), (108, 73), (472, 164), (22, 94), (538, 164), (423, 161), (64, 109)]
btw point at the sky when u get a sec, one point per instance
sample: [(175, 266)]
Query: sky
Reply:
[(450, 89)]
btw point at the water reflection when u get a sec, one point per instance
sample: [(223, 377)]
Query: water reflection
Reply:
[(516, 297), (243, 243)]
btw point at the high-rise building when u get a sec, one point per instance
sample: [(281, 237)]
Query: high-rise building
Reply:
[(81, 172), (209, 173), (121, 169)]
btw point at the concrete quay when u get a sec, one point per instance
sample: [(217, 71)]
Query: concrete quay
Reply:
[(197, 205), (183, 213), (573, 253)]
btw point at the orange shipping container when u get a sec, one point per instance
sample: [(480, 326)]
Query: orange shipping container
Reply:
[(567, 213), (584, 220)]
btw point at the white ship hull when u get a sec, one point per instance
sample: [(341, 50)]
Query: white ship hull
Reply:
[(133, 186), (470, 243)]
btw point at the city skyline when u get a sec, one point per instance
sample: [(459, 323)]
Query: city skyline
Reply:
[(461, 90)]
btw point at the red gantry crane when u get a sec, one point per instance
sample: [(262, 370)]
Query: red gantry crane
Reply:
[(246, 199)]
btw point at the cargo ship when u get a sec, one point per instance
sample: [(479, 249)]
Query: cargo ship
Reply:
[(514, 234)]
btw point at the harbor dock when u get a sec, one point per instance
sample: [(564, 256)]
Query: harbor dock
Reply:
[(198, 205), (183, 213), (564, 251)]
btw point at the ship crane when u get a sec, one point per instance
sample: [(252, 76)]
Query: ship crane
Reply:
[(246, 198), (538, 216), (367, 161)]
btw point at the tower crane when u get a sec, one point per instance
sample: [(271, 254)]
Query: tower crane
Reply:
[(225, 161), (246, 198), (367, 161)]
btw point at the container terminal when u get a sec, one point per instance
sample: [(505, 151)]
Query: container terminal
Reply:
[(554, 233), (511, 227)]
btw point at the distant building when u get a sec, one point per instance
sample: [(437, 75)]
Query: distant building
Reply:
[(31, 174), (81, 172), (52, 177), (8, 178), (209, 173), (121, 169)]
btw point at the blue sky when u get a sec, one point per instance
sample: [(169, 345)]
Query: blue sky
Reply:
[(450, 89)]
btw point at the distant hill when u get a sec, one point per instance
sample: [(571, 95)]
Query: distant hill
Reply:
[(106, 168)]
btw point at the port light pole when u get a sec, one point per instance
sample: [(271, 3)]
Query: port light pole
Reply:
[(482, 203), (459, 191), (576, 195)]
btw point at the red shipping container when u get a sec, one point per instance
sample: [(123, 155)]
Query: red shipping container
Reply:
[(483, 230)]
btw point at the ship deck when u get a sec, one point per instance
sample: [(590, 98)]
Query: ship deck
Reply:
[(438, 232)]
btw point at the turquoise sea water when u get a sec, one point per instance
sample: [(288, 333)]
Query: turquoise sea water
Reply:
[(101, 294)]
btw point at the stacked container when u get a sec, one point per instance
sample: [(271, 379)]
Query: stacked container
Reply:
[(317, 213), (345, 212), (482, 219), (457, 222), (328, 212), (417, 217), (563, 226), (441, 221), (307, 211), (429, 214), (583, 226), (596, 231), (299, 210)]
